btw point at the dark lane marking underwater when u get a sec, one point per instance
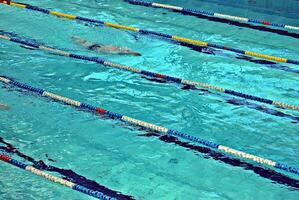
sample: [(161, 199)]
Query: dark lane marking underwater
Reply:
[(233, 101), (66, 173), (270, 174)]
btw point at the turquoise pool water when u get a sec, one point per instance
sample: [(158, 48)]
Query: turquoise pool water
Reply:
[(120, 157)]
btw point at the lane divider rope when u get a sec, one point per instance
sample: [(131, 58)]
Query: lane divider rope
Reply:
[(67, 174), (66, 183), (146, 32), (207, 13), (167, 78), (150, 126)]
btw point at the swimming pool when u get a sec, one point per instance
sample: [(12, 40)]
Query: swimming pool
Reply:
[(125, 159)]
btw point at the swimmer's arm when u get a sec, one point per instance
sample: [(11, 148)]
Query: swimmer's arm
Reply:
[(126, 51), (130, 53), (117, 50)]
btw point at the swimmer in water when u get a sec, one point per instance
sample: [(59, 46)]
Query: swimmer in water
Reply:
[(104, 48), (5, 1), (3, 107)]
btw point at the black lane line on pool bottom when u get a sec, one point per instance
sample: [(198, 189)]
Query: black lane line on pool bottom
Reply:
[(233, 101), (265, 173), (66, 173), (270, 174)]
